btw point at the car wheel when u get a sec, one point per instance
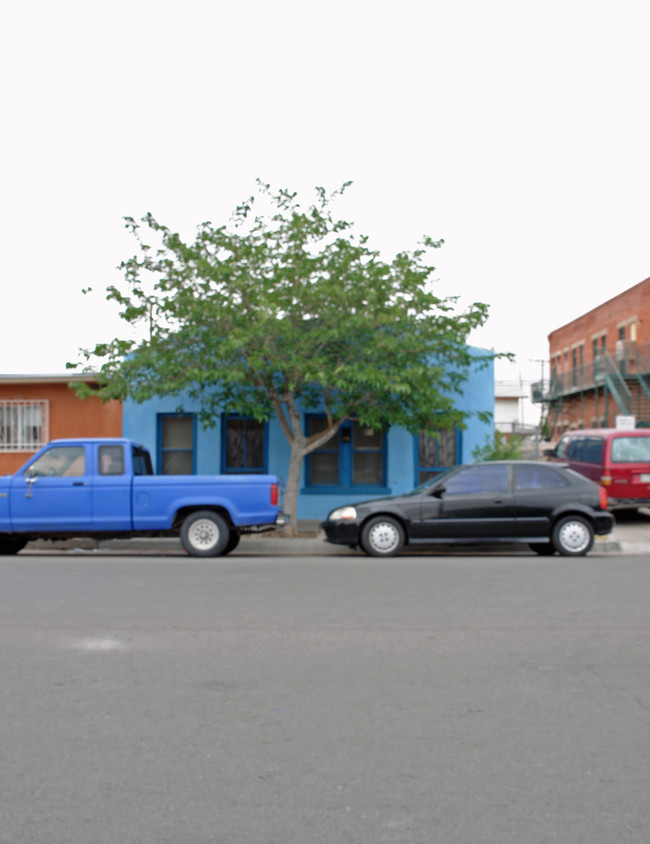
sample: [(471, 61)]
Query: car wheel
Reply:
[(382, 537), (544, 549), (572, 536), (205, 534)]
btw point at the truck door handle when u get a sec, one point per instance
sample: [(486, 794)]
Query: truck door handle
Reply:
[(78, 483)]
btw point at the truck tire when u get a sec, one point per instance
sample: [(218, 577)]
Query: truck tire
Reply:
[(10, 545), (205, 534), (233, 541)]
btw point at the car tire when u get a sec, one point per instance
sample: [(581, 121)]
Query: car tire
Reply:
[(544, 549), (573, 536), (382, 537), (205, 534)]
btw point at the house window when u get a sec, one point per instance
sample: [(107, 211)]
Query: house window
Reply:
[(24, 425), (436, 454), (177, 444), (354, 458), (244, 445)]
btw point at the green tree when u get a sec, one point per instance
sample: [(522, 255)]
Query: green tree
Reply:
[(284, 309), (499, 448)]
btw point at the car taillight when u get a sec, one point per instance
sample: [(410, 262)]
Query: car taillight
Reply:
[(603, 497), (275, 495)]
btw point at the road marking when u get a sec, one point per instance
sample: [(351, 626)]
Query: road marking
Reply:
[(100, 645)]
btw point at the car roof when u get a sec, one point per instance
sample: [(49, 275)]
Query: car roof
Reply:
[(607, 432)]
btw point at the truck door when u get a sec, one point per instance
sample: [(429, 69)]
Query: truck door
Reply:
[(54, 492), (111, 489)]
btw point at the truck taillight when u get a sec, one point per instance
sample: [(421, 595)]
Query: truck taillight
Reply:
[(603, 498), (275, 495)]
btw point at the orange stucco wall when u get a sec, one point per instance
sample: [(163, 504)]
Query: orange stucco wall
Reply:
[(69, 416)]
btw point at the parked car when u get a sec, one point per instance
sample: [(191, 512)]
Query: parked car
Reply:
[(547, 506), (615, 458)]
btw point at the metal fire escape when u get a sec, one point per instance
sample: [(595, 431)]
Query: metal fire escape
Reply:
[(618, 385)]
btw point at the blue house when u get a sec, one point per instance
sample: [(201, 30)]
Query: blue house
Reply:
[(358, 463)]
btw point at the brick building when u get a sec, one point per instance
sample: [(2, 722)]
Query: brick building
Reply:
[(37, 408), (600, 366)]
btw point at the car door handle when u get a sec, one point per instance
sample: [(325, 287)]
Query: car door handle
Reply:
[(78, 483)]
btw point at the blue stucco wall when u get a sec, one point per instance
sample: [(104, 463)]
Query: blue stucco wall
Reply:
[(140, 423)]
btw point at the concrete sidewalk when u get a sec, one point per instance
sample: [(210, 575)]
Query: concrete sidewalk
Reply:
[(630, 536)]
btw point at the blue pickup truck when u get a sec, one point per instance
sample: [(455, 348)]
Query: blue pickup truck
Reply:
[(106, 488)]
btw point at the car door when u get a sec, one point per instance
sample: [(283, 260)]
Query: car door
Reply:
[(54, 492), (474, 502), (538, 490)]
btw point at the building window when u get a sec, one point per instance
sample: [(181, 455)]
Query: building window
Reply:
[(436, 454), (244, 445), (24, 425), (177, 444), (354, 458)]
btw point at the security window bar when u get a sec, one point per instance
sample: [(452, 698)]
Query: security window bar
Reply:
[(436, 454), (244, 445), (24, 425)]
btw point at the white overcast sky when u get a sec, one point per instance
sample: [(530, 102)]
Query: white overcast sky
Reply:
[(516, 131)]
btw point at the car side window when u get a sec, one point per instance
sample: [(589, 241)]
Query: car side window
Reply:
[(592, 450), (562, 446), (538, 477), (574, 450), (483, 477)]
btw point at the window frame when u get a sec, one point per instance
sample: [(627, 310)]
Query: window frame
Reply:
[(346, 451), (21, 443), (263, 470), (161, 451), (438, 468)]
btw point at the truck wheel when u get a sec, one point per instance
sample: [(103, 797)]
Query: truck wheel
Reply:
[(11, 546), (205, 534), (233, 542)]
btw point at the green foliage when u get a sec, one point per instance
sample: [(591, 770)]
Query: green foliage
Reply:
[(499, 448), (284, 308)]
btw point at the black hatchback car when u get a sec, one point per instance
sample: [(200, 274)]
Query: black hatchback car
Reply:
[(548, 506)]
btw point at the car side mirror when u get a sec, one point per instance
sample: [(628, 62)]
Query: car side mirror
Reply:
[(549, 452), (439, 492)]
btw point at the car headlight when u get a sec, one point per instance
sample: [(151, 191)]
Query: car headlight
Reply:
[(342, 513)]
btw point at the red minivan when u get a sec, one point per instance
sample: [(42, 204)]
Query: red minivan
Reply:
[(613, 457)]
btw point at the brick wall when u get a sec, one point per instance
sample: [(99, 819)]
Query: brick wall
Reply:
[(629, 311)]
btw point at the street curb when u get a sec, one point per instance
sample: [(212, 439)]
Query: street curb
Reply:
[(275, 545)]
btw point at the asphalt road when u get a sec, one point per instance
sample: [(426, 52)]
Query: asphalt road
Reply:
[(460, 700)]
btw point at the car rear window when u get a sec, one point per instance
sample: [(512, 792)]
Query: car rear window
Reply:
[(538, 477), (630, 450)]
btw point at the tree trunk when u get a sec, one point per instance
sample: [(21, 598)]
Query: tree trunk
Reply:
[(292, 488)]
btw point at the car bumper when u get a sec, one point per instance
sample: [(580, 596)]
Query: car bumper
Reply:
[(603, 523), (344, 532)]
